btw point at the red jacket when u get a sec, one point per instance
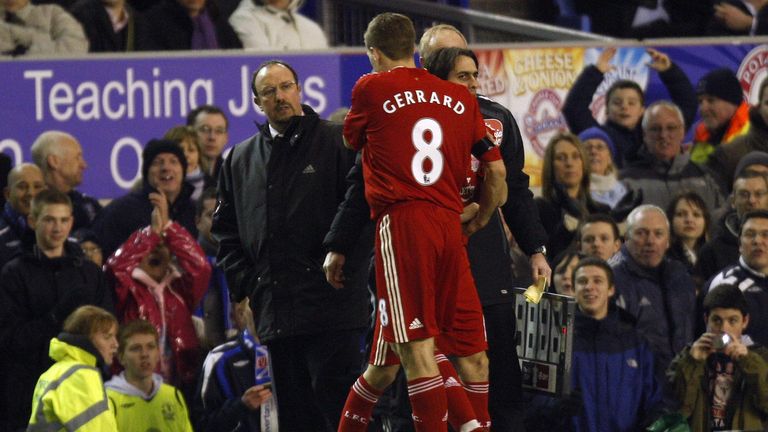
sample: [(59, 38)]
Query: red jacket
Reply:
[(134, 298)]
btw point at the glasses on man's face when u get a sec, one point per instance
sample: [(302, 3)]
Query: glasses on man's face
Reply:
[(746, 195), (750, 234), (207, 130), (670, 129), (271, 92)]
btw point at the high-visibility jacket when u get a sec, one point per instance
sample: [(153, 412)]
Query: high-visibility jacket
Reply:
[(163, 410), (70, 395)]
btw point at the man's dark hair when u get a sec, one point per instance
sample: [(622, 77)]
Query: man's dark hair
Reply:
[(47, 197), (392, 34), (208, 193), (746, 174), (594, 262), (208, 109), (622, 85), (440, 63), (753, 214), (725, 296), (600, 218), (269, 63)]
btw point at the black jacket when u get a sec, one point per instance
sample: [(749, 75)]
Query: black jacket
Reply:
[(628, 142), (85, 209), (36, 294), (720, 252), (168, 27), (13, 232), (130, 212), (98, 27), (561, 217), (277, 198)]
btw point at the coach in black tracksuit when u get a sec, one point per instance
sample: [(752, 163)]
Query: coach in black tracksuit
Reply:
[(489, 259)]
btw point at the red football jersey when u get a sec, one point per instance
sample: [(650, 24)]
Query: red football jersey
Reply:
[(417, 132)]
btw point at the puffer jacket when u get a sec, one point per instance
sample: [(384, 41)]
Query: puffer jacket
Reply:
[(71, 395), (171, 309)]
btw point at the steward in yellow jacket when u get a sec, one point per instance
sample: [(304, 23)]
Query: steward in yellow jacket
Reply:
[(71, 395)]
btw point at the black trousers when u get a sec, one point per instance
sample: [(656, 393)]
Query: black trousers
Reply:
[(312, 375), (506, 403)]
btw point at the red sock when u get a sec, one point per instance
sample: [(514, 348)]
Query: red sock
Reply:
[(356, 414), (477, 392), (429, 404), (461, 415)]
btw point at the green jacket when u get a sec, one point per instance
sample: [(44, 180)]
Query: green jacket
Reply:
[(70, 395), (748, 406)]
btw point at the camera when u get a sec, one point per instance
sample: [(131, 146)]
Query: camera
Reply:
[(721, 341)]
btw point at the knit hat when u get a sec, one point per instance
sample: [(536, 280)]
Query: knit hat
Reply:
[(721, 83), (597, 133), (751, 158), (155, 147)]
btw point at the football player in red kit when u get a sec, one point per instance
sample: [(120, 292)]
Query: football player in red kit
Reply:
[(417, 132)]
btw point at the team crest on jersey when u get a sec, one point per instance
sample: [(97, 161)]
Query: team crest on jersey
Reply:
[(168, 413), (496, 128)]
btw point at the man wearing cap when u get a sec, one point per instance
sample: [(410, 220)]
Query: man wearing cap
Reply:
[(724, 113), (163, 169)]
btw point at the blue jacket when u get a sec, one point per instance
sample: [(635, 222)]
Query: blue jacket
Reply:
[(613, 368), (662, 299)]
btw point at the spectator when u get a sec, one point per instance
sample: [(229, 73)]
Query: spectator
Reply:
[(60, 158), (149, 285), (163, 169), (599, 236), (624, 102), (186, 25), (38, 290), (749, 272), (605, 186), (138, 398), (565, 199), (727, 157), (276, 25), (690, 227), (186, 138), (565, 263), (24, 183), (110, 25), (70, 394), (722, 385), (608, 349), (724, 113), (656, 290), (228, 397), (90, 245), (739, 17), (29, 29), (214, 310), (211, 125), (750, 192), (662, 170), (272, 253)]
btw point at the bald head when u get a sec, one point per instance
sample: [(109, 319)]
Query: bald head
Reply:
[(24, 182), (440, 36), (60, 157)]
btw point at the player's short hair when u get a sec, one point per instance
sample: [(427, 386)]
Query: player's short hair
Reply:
[(138, 326), (441, 62), (624, 84), (208, 109), (600, 218), (594, 262), (47, 197), (425, 43), (269, 63), (87, 320), (725, 296), (392, 34)]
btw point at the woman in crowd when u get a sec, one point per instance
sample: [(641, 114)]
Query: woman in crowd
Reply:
[(565, 263), (690, 221), (197, 176), (70, 395), (565, 188), (605, 186)]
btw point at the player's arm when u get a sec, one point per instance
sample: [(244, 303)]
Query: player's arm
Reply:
[(493, 192)]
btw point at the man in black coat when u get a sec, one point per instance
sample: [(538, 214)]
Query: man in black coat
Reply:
[(38, 290)]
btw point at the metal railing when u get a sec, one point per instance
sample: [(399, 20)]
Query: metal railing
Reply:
[(346, 21)]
